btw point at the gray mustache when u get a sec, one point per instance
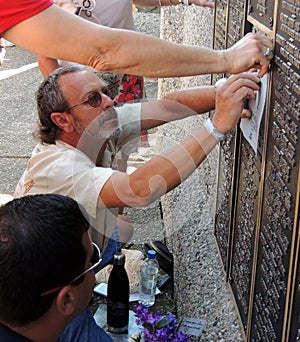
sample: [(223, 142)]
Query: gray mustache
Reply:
[(101, 127), (110, 113)]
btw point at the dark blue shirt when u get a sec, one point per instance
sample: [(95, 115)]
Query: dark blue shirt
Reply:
[(8, 335)]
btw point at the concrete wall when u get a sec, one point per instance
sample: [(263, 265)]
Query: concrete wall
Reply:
[(200, 288)]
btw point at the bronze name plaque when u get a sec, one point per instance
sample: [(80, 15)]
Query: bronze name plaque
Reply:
[(257, 218)]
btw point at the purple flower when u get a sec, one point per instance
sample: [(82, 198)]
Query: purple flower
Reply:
[(158, 327), (141, 314)]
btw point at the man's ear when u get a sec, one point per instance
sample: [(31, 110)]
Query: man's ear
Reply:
[(66, 300), (64, 121)]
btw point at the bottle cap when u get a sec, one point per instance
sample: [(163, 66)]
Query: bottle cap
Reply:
[(119, 258), (151, 254)]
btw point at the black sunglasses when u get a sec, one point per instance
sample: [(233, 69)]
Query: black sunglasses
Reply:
[(94, 100)]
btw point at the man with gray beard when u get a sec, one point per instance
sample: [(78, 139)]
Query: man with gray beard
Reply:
[(80, 134)]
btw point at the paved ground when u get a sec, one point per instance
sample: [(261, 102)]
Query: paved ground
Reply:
[(19, 78)]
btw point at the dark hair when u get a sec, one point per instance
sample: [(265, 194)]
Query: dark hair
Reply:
[(50, 99), (40, 248)]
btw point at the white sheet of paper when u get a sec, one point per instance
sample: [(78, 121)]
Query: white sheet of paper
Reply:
[(250, 127), (102, 290)]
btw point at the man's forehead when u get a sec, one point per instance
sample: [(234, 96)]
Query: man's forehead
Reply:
[(81, 79), (81, 73)]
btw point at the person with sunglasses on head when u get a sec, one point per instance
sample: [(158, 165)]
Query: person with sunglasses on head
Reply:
[(47, 266), (80, 133), (44, 28)]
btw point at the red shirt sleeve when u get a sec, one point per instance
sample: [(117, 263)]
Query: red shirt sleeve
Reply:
[(13, 12)]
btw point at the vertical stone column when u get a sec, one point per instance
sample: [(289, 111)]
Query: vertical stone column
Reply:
[(189, 209)]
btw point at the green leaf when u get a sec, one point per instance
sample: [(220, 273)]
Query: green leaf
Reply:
[(148, 326), (162, 323), (137, 339)]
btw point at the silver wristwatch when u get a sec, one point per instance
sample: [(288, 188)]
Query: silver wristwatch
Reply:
[(211, 129), (220, 81)]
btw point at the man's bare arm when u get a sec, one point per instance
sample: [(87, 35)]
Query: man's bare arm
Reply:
[(47, 65), (177, 105), (59, 34), (168, 170)]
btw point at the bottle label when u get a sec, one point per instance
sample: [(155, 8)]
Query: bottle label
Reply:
[(148, 282), (117, 314)]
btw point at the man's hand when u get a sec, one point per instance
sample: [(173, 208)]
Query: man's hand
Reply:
[(250, 52), (230, 100)]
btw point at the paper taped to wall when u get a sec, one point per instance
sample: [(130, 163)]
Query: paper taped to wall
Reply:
[(250, 127)]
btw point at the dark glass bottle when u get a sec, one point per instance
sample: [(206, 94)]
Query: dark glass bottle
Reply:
[(118, 297)]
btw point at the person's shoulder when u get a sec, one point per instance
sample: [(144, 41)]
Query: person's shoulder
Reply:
[(14, 12), (59, 150), (44, 148)]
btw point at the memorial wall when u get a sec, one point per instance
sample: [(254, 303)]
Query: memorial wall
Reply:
[(257, 217)]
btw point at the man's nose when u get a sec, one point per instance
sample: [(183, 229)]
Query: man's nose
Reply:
[(107, 102)]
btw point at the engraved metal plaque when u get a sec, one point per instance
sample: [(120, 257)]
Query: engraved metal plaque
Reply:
[(224, 198), (220, 25), (262, 11), (280, 189), (244, 230), (257, 218), (229, 28)]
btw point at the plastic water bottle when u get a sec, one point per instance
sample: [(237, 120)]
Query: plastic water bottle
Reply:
[(148, 280), (118, 297)]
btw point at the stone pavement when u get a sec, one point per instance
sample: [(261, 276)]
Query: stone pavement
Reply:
[(19, 79)]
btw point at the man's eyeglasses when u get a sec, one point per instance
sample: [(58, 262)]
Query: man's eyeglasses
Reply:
[(94, 100), (95, 261)]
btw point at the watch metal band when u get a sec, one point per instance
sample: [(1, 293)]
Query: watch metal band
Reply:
[(208, 124), (220, 81)]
